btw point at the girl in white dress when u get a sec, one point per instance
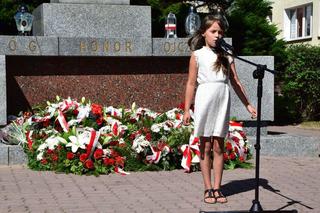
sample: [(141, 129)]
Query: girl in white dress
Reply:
[(211, 69)]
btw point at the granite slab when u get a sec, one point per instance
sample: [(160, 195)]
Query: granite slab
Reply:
[(92, 20)]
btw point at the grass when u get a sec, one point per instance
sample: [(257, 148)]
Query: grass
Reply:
[(310, 124)]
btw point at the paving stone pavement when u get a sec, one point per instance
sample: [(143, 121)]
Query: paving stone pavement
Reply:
[(286, 183)]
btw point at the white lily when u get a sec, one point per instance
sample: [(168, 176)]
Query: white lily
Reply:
[(77, 142), (171, 114), (53, 141), (156, 127), (140, 143)]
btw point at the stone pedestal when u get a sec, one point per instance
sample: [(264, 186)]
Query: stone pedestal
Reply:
[(92, 20), (3, 91)]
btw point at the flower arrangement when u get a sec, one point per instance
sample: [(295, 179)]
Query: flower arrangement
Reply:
[(87, 138)]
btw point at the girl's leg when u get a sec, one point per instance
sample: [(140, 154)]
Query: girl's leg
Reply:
[(205, 165), (218, 149)]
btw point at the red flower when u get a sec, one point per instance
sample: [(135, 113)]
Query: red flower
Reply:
[(70, 155), (228, 146), (83, 157), (108, 161), (98, 154), (49, 151), (55, 157), (75, 112), (178, 116), (114, 153), (241, 159), (225, 157), (161, 145), (119, 161), (132, 136), (46, 123), (232, 156), (96, 109), (89, 164), (236, 150), (59, 147), (99, 120), (148, 137), (235, 139), (44, 161)]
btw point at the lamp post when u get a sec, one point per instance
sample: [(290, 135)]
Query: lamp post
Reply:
[(23, 20)]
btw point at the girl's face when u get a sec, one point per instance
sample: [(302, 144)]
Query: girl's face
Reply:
[(212, 34)]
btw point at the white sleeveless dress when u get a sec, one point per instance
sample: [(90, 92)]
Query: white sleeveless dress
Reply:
[(212, 99)]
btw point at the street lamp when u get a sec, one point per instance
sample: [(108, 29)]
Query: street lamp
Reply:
[(23, 20)]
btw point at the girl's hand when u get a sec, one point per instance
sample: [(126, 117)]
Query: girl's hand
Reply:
[(186, 118), (252, 111)]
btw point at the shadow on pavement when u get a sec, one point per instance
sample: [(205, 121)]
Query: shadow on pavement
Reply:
[(239, 186)]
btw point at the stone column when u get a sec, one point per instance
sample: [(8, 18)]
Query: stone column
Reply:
[(3, 91)]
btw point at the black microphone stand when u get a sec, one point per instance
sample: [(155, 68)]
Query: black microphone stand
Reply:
[(257, 74)]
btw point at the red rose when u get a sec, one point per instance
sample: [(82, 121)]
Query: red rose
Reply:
[(119, 161), (89, 164), (178, 116), (108, 161), (232, 156), (99, 120), (235, 139), (96, 109), (59, 147), (70, 155), (55, 157), (161, 145), (75, 112), (114, 153), (148, 137), (98, 154), (49, 151), (44, 161), (236, 150), (241, 159), (225, 157), (132, 136), (83, 157), (46, 123), (228, 146)]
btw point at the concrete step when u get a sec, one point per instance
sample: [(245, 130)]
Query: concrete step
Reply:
[(285, 145)]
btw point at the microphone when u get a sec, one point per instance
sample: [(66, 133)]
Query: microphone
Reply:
[(220, 42)]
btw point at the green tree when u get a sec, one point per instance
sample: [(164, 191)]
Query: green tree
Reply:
[(301, 88), (7, 10), (250, 30)]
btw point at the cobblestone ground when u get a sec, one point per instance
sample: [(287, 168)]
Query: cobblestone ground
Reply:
[(286, 184)]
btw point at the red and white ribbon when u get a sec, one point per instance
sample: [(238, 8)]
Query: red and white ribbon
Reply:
[(94, 137), (191, 153), (118, 170), (29, 140), (63, 121)]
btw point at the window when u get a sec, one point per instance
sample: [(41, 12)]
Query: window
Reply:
[(298, 23)]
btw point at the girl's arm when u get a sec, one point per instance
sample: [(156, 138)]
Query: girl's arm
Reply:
[(238, 88), (190, 87)]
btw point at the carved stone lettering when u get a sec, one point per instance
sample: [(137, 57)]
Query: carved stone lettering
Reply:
[(32, 46), (12, 45)]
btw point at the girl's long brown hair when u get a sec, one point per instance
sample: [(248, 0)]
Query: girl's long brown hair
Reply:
[(197, 41)]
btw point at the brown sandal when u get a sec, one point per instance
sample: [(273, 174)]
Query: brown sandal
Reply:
[(210, 195), (220, 195)]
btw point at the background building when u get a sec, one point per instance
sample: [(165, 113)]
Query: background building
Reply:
[(298, 20)]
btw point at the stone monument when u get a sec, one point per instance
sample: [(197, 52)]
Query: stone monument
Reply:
[(104, 50)]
